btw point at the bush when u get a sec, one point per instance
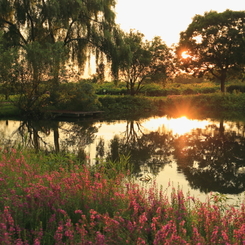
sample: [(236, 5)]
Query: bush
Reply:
[(111, 89), (188, 91), (238, 88), (216, 102), (76, 97), (121, 106), (154, 89)]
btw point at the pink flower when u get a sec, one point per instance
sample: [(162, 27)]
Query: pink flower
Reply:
[(140, 241), (62, 211), (100, 239)]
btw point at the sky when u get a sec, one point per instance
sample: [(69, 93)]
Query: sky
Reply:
[(167, 18)]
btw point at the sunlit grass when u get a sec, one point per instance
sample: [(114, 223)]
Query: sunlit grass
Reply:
[(74, 204)]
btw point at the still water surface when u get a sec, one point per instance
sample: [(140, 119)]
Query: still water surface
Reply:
[(199, 156)]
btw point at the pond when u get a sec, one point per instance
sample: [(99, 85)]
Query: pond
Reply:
[(198, 156)]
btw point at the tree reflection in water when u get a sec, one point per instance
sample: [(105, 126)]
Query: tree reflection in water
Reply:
[(148, 151), (46, 135), (211, 157)]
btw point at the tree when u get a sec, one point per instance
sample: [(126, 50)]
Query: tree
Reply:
[(8, 62), (214, 43), (49, 33), (141, 60), (38, 72)]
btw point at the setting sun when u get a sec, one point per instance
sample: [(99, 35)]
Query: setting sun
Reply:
[(185, 55)]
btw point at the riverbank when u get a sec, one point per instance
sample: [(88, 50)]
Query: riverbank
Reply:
[(120, 106), (218, 104), (69, 202)]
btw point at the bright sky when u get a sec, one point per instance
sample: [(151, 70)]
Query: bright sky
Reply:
[(167, 18)]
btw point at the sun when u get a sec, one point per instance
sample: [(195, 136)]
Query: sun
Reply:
[(185, 55)]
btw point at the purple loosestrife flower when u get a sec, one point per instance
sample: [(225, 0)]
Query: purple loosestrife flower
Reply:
[(59, 234), (100, 239), (69, 232), (197, 239), (140, 241), (142, 220), (239, 234), (37, 242)]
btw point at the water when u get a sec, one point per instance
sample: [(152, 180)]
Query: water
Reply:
[(198, 156)]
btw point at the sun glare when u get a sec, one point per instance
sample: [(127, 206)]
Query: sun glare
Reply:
[(185, 55), (184, 125), (179, 126)]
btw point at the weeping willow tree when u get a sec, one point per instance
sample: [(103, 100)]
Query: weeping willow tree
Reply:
[(8, 62), (51, 33)]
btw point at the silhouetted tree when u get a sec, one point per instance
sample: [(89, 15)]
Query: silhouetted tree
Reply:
[(215, 44), (50, 33), (140, 60)]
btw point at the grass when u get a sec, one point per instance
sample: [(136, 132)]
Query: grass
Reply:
[(73, 203), (7, 107), (155, 100)]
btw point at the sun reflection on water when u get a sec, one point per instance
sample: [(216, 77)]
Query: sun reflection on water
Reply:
[(179, 126)]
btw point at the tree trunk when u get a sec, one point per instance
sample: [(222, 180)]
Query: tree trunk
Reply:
[(36, 140), (222, 81), (131, 87)]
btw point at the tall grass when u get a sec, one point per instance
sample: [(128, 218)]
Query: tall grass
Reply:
[(77, 204)]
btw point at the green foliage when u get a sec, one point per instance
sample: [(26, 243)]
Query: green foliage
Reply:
[(236, 88), (84, 205), (143, 60), (49, 35), (215, 44), (8, 64), (76, 97), (7, 109), (215, 103), (179, 89), (124, 106), (155, 89), (111, 88), (114, 168)]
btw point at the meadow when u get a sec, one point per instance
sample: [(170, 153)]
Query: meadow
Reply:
[(56, 199)]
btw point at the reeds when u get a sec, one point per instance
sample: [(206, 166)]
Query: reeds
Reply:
[(76, 205)]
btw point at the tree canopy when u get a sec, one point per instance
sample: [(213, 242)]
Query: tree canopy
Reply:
[(49, 34), (76, 23), (215, 43), (141, 60), (8, 62)]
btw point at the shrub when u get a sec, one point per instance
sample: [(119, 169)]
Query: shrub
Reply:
[(121, 106), (109, 88), (76, 97), (232, 88)]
